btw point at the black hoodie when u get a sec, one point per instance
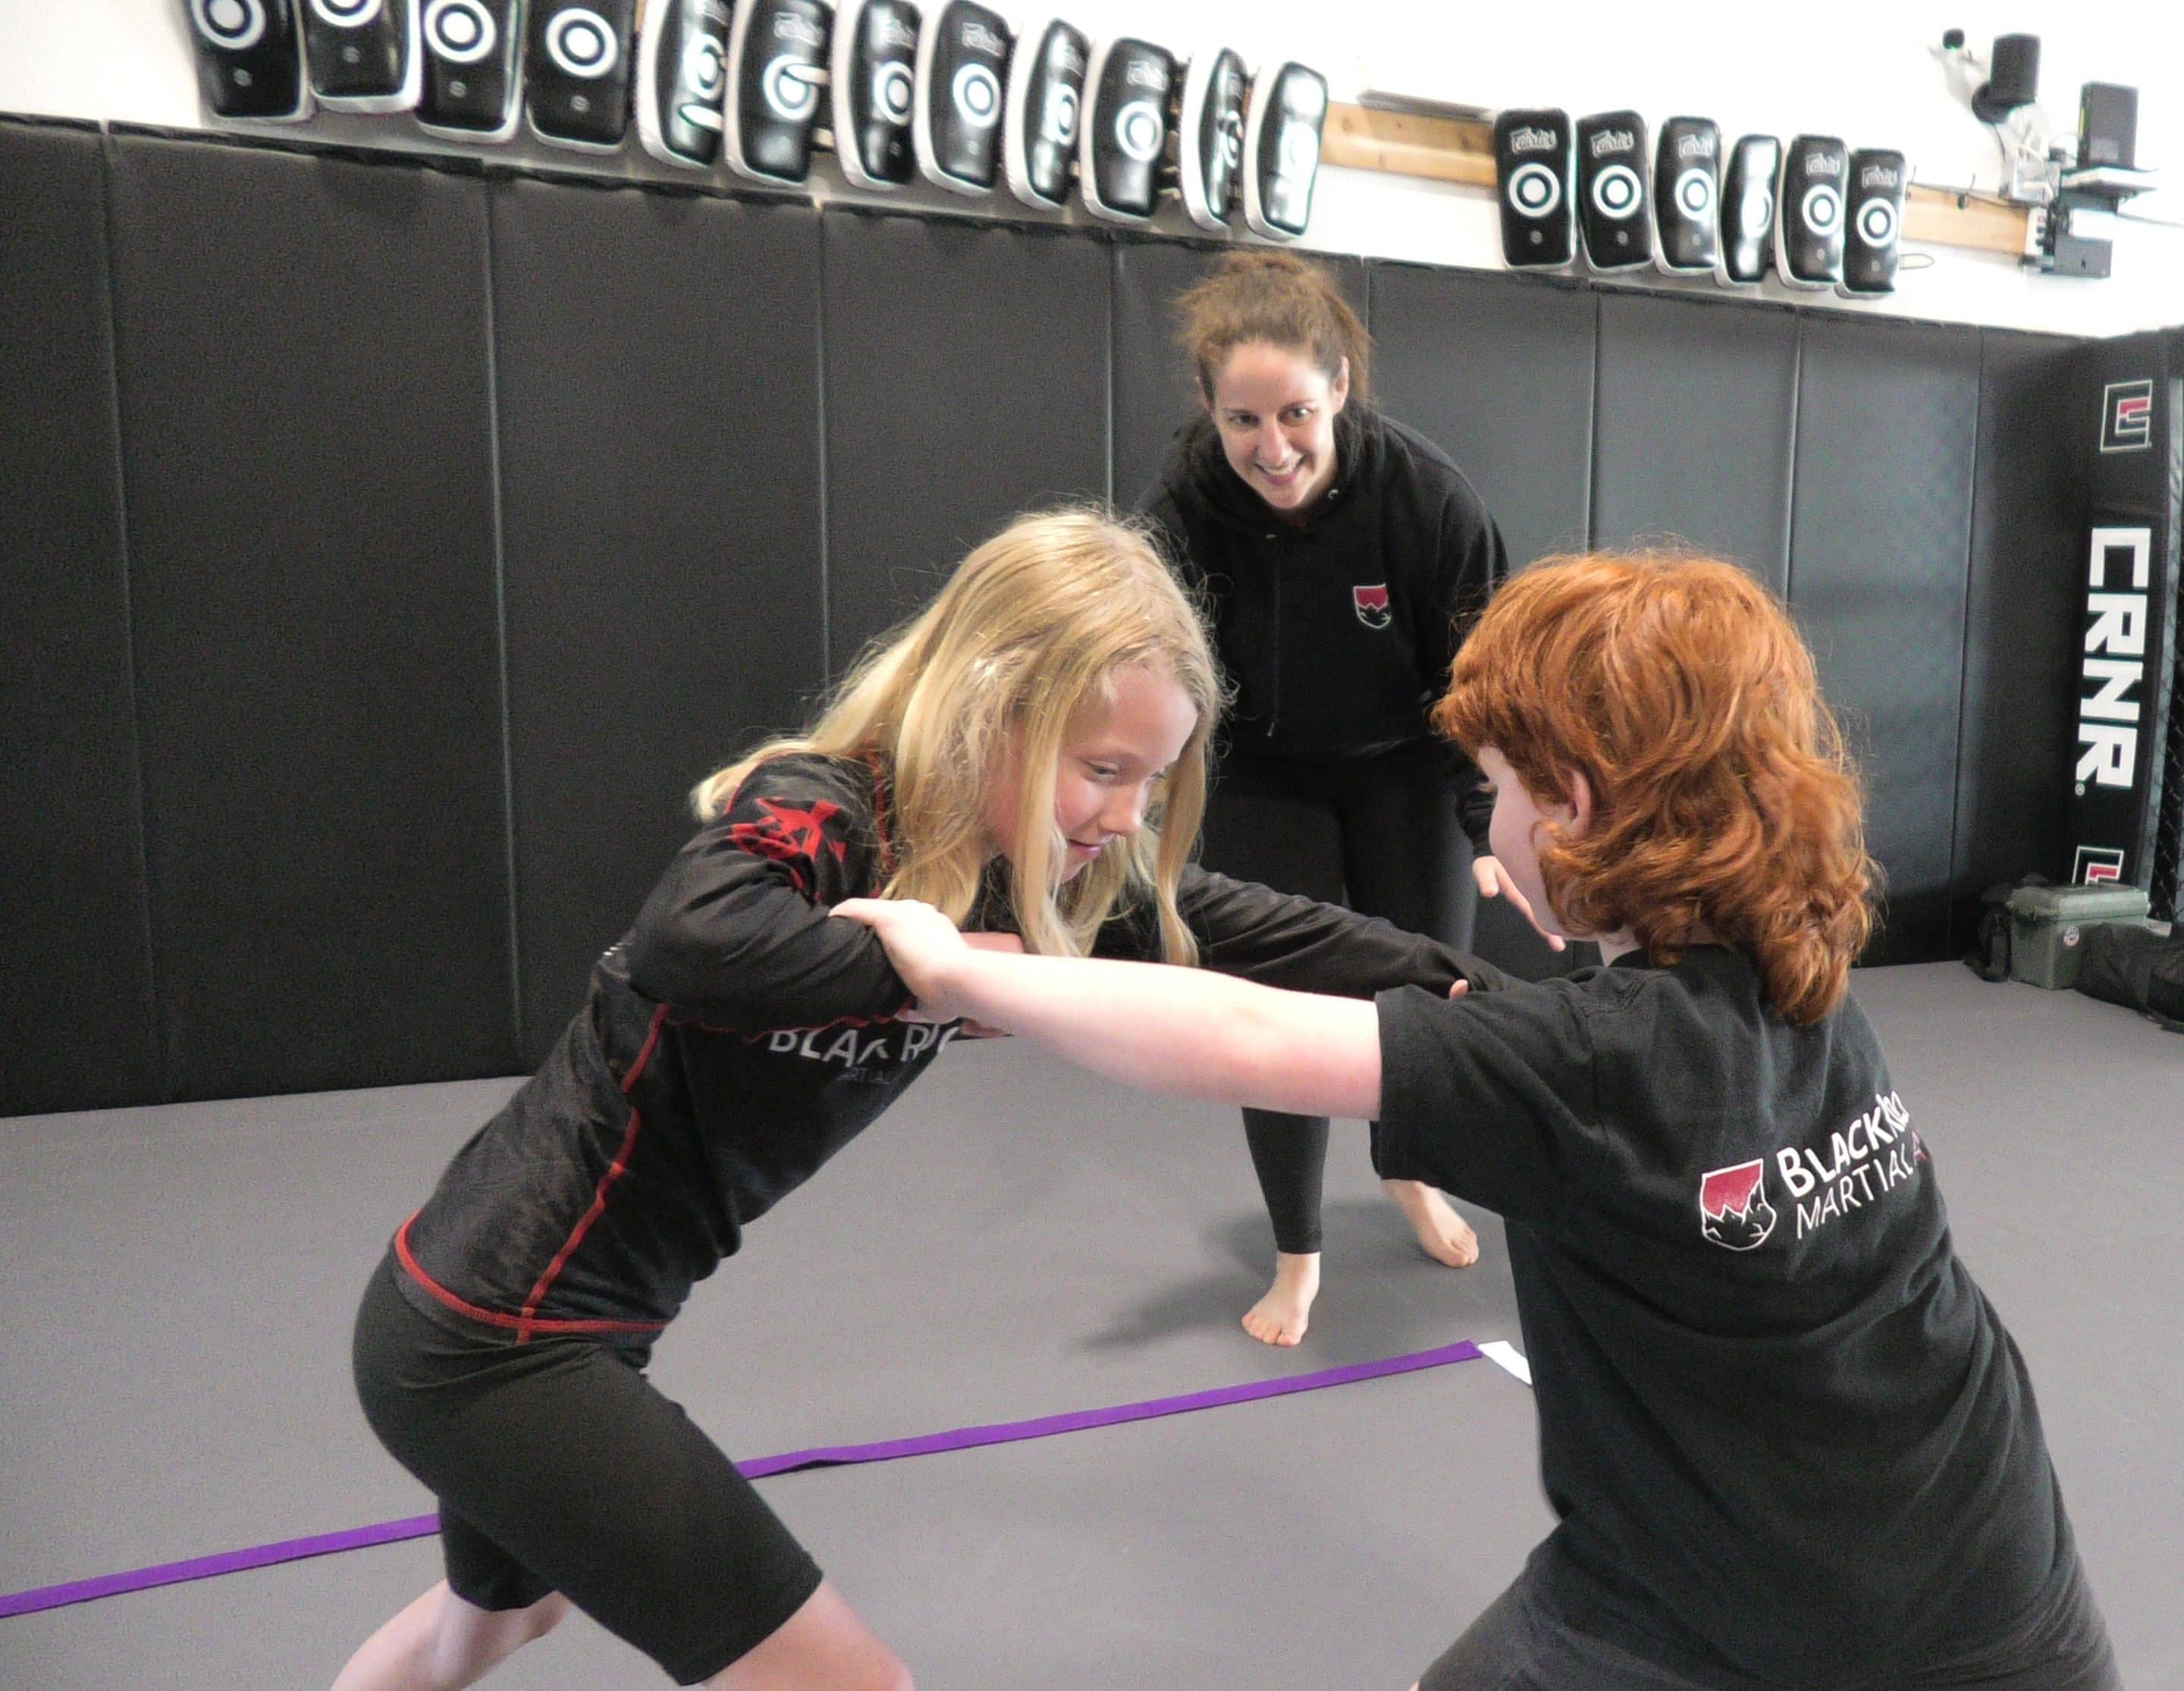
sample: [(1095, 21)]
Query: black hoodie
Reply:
[(1337, 631)]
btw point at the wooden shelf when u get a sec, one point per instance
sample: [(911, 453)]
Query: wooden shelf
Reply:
[(1451, 150)]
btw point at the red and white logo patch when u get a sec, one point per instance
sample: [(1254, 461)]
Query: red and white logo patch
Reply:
[(2127, 416), (2096, 864), (1733, 1208), (1370, 604)]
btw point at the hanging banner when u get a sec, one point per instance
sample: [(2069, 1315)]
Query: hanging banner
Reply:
[(2128, 659)]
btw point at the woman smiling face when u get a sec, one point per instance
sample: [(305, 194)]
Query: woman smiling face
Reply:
[(1275, 409)]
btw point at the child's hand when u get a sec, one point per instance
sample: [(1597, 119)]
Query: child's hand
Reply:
[(1494, 883), (923, 945)]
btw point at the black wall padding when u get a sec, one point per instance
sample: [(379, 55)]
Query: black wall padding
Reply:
[(658, 359), (302, 349), (1692, 428), (390, 549), (2022, 619), (1880, 539), (76, 1021), (1155, 389), (1155, 393), (965, 381), (1499, 371)]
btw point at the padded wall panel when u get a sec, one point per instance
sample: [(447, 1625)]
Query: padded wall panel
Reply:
[(1881, 537), (658, 363), (2023, 614), (302, 350), (1156, 390), (76, 1023), (1692, 428), (965, 381), (1499, 370)]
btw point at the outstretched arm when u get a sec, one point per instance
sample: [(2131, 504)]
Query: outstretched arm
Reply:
[(1186, 1031)]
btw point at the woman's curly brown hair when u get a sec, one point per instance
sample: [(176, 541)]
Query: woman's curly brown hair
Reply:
[(1724, 799)]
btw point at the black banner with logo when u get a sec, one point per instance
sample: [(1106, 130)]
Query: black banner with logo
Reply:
[(2126, 670)]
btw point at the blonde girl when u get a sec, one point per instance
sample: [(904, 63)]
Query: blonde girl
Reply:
[(1027, 756)]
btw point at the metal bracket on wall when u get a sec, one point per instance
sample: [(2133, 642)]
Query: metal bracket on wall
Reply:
[(1452, 150)]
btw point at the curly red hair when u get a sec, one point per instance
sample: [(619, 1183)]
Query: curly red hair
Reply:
[(1724, 799)]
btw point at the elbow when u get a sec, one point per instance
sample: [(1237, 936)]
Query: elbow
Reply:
[(654, 972), (669, 964)]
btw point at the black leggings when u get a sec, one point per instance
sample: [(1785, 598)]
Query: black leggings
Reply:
[(560, 1467), (1383, 835)]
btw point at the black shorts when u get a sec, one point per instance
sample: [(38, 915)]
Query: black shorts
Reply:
[(560, 1467)]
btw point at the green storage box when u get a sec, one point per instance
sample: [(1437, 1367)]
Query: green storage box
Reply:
[(2048, 926)]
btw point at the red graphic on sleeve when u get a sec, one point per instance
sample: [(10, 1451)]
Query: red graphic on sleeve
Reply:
[(792, 835), (1733, 1208)]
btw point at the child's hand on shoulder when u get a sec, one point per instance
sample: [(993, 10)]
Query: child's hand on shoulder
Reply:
[(924, 945)]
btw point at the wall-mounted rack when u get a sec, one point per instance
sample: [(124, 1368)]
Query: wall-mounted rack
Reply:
[(1455, 149)]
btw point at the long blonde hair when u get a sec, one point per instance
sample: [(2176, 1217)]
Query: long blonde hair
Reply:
[(1031, 629)]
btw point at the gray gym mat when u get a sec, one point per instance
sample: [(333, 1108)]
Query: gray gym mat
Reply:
[(1015, 1239)]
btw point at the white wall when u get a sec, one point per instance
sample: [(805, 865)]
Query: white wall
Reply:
[(1859, 69)]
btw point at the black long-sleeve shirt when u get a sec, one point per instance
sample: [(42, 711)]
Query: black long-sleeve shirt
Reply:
[(739, 1036)]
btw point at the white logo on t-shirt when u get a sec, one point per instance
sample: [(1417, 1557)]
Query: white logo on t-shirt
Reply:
[(1876, 1152)]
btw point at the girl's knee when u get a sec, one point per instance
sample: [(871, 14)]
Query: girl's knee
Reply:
[(467, 1641)]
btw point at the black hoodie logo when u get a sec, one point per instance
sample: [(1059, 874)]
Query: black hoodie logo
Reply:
[(1372, 605)]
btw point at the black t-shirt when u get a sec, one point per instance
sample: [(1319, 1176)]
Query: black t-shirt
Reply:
[(1787, 1438)]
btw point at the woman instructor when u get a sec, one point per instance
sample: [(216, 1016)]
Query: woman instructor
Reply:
[(1338, 552)]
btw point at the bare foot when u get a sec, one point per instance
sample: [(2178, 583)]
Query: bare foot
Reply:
[(1443, 1235), (1281, 1316)]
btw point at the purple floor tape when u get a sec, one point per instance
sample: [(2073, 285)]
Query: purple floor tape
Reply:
[(45, 1597)]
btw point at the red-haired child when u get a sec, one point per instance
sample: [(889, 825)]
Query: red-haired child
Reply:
[(1788, 1441)]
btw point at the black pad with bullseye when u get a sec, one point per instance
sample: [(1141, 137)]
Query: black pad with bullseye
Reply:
[(1210, 132), (1125, 129), (1873, 231), (363, 53), (576, 71), (1281, 149), (778, 53), (470, 49), (1686, 186), (1535, 172), (1809, 211), (1045, 103), (962, 73), (250, 60), (681, 82), (875, 81), (1614, 202)]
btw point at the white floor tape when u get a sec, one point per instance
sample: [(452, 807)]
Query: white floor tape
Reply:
[(1505, 1354)]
